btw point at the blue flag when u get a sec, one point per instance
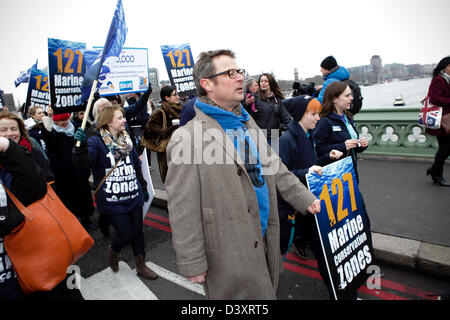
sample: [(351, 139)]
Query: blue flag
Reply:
[(113, 46), (24, 76)]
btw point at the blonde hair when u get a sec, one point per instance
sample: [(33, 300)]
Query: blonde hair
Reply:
[(107, 115), (100, 102)]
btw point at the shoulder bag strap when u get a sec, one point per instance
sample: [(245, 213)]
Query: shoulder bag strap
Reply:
[(103, 180)]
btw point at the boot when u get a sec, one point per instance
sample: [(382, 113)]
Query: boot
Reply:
[(142, 269), (440, 181), (113, 259)]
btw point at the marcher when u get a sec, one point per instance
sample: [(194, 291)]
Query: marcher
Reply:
[(161, 125), (331, 72), (223, 213), (34, 124), (439, 95), (270, 113), (12, 127), (297, 150), (251, 90), (71, 183), (336, 128), (25, 179), (77, 120), (122, 195), (137, 116)]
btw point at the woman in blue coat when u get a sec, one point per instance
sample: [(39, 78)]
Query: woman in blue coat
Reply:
[(336, 128), (297, 151), (121, 196)]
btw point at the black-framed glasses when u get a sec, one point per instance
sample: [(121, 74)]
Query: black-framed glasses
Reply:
[(232, 73)]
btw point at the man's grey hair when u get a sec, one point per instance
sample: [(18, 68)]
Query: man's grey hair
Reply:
[(204, 67), (100, 102)]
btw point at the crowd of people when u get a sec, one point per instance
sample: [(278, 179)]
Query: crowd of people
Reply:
[(231, 222)]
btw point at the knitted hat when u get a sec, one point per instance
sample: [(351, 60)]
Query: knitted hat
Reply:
[(62, 116), (297, 106), (328, 63)]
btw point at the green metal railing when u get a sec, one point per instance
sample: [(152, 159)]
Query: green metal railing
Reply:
[(394, 131)]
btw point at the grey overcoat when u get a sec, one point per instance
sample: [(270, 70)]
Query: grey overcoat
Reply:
[(214, 215)]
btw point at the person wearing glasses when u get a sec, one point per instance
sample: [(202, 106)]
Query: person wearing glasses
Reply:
[(270, 113), (221, 183), (162, 124)]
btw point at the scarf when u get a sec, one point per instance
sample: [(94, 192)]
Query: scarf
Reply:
[(445, 76), (120, 147), (68, 131), (234, 126), (173, 109), (24, 143)]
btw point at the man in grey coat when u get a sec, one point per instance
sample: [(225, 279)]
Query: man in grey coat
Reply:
[(222, 184)]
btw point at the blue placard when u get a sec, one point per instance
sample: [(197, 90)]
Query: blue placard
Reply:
[(180, 65), (38, 89), (344, 227), (66, 67)]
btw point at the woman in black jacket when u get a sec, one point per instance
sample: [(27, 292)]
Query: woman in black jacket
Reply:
[(25, 179), (71, 183), (270, 114), (336, 128)]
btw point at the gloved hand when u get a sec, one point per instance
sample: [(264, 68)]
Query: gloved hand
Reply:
[(80, 135), (146, 196)]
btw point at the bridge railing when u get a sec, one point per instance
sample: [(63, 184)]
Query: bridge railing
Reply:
[(394, 131)]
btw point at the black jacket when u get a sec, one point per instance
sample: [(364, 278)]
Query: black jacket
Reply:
[(270, 114), (331, 133), (25, 179)]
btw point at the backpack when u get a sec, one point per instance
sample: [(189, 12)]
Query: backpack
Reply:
[(357, 96)]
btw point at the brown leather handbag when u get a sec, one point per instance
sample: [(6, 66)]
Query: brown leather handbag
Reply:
[(49, 240)]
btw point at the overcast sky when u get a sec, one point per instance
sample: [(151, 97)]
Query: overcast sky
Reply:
[(275, 35)]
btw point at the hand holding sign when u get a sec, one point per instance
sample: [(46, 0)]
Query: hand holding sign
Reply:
[(314, 208)]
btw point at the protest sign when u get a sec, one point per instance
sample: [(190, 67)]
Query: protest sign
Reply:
[(66, 69), (180, 64), (344, 227), (147, 176), (38, 92), (126, 73)]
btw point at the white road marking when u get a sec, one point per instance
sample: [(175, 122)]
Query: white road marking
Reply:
[(176, 278)]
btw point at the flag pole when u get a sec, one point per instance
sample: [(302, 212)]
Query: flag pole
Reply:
[(88, 108)]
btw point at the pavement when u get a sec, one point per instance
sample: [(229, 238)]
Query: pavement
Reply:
[(410, 216)]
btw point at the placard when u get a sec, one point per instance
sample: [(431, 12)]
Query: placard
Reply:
[(66, 69), (180, 65), (38, 92), (344, 227), (126, 73)]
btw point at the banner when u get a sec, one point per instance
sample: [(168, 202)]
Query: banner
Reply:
[(180, 64), (38, 93), (344, 227), (126, 73), (1, 100), (66, 69)]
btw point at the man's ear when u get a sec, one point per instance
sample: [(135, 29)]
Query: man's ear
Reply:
[(206, 84)]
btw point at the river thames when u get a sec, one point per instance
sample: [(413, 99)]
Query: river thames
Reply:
[(383, 95)]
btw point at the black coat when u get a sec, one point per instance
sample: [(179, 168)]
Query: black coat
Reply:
[(71, 183), (331, 133), (270, 114)]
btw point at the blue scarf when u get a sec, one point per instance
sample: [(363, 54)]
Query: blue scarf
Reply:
[(235, 128), (68, 131)]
